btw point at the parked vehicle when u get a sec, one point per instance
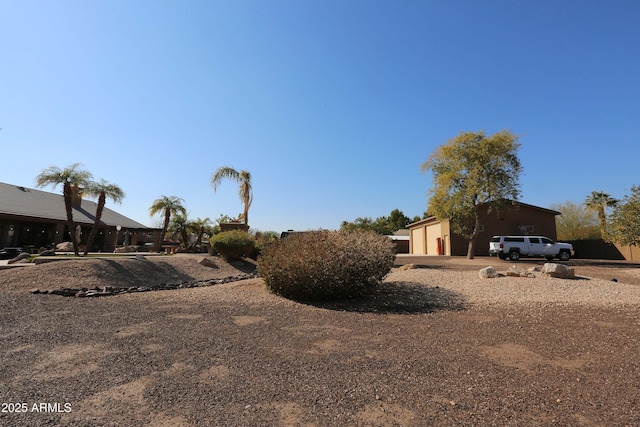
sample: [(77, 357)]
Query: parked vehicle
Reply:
[(513, 247)]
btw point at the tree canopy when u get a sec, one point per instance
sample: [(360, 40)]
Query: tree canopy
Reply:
[(468, 171), (599, 201), (576, 222), (384, 225), (101, 190), (624, 225), (168, 205), (243, 178), (72, 179)]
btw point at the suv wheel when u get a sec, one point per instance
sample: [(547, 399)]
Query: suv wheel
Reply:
[(564, 256), (514, 255)]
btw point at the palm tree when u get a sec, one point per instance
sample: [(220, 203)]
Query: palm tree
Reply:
[(72, 180), (100, 190), (171, 205), (244, 179), (600, 201), (180, 226), (200, 227)]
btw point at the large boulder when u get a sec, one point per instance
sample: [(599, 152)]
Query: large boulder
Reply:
[(515, 271), (560, 271), (488, 273), (64, 247)]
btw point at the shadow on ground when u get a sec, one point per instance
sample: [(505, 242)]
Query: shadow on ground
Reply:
[(400, 298)]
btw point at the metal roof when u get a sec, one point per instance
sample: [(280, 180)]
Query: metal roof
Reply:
[(28, 202)]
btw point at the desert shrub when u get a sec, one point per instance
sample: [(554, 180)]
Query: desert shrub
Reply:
[(233, 245), (325, 265)]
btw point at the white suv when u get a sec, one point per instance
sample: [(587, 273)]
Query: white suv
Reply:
[(513, 247)]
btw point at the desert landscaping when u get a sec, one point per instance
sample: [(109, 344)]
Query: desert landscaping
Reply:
[(433, 345)]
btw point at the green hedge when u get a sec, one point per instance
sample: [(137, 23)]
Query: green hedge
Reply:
[(326, 265), (233, 245)]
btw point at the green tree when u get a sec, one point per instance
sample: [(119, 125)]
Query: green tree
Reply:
[(200, 227), (360, 223), (624, 227), (599, 201), (575, 222), (469, 171), (243, 178), (167, 205), (397, 220), (382, 225), (72, 180), (179, 228), (100, 190)]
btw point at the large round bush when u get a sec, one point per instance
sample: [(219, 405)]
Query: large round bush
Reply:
[(325, 265), (233, 245)]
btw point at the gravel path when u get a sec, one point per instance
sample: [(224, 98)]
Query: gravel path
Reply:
[(434, 346)]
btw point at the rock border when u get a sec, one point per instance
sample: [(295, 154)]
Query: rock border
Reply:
[(111, 291)]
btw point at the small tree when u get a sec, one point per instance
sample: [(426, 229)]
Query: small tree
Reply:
[(576, 222), (179, 227), (599, 201), (200, 227), (382, 225), (624, 227), (168, 205), (471, 170), (72, 180), (243, 178), (100, 190)]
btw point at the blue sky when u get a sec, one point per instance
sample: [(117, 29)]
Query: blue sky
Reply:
[(332, 105)]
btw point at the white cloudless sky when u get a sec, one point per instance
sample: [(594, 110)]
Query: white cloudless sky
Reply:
[(331, 105)]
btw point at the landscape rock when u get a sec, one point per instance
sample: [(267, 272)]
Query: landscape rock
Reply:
[(125, 249), (515, 271), (19, 258), (488, 273), (48, 252), (64, 247), (559, 271), (110, 290), (208, 262), (407, 267)]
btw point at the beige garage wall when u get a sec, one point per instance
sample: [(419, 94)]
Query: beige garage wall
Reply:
[(417, 241), (434, 232)]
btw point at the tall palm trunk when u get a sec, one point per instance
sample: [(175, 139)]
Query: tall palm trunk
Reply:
[(102, 199), (68, 204), (167, 218)]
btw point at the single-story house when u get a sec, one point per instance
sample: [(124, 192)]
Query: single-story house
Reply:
[(31, 219), (431, 236), (401, 239)]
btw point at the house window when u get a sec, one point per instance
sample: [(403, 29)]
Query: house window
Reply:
[(525, 229)]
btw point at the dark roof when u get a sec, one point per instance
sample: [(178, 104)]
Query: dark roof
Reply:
[(27, 202), (514, 202)]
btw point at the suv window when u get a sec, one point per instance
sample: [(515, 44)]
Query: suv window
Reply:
[(514, 239), (534, 240), (495, 239), (547, 241)]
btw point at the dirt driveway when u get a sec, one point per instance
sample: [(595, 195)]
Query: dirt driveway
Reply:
[(235, 355)]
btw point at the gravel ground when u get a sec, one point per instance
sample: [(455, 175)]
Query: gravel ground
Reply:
[(433, 346)]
